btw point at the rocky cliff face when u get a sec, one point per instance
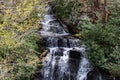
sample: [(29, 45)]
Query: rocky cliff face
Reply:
[(97, 74)]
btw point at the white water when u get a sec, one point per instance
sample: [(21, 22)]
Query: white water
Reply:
[(58, 65), (83, 69)]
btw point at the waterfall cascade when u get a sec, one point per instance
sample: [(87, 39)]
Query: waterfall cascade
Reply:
[(66, 58)]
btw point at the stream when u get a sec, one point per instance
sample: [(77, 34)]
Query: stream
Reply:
[(66, 58)]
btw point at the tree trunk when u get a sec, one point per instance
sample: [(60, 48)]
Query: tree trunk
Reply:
[(96, 4), (105, 12)]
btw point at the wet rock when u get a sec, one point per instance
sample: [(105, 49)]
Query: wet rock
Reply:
[(98, 74), (62, 42), (48, 9), (62, 25), (73, 66), (94, 75), (75, 54), (59, 52), (41, 44), (109, 77), (71, 27), (57, 59), (39, 66), (36, 76), (54, 29)]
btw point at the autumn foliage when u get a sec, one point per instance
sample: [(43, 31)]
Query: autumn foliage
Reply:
[(19, 22)]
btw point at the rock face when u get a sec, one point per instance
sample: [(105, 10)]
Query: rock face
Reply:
[(63, 60), (41, 44), (109, 77), (71, 27), (36, 76), (100, 75), (74, 54), (94, 75), (54, 29), (59, 52)]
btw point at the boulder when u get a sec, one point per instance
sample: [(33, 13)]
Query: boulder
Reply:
[(36, 76), (98, 74), (94, 75), (75, 54)]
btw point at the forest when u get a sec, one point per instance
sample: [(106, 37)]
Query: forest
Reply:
[(95, 22)]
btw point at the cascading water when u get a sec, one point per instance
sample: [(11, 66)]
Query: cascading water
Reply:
[(66, 59)]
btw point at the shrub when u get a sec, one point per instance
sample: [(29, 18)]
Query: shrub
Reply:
[(18, 25), (104, 42)]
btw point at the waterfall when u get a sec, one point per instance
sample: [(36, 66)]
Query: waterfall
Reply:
[(66, 58)]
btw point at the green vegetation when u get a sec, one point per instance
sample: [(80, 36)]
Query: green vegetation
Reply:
[(104, 44), (103, 39), (22, 61), (68, 10), (19, 22)]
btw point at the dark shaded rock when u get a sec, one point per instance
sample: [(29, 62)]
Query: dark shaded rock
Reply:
[(75, 54), (48, 9), (109, 77), (70, 26), (63, 25), (98, 74), (73, 67), (117, 78), (39, 66), (59, 52), (36, 76), (57, 58), (62, 42), (54, 29), (41, 44), (94, 75), (72, 29)]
